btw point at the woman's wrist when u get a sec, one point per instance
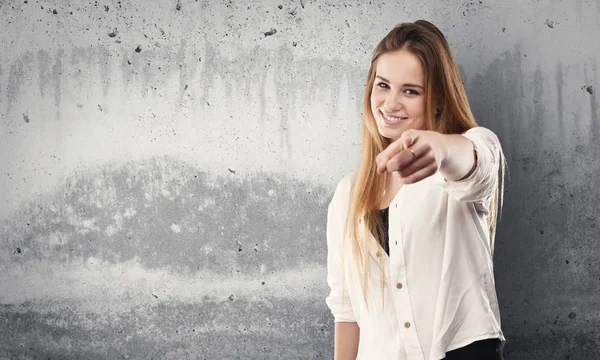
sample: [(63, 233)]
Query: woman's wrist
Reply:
[(457, 157)]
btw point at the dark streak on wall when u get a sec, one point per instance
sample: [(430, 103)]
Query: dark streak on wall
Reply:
[(265, 212)]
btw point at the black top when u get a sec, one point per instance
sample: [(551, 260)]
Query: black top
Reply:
[(385, 219)]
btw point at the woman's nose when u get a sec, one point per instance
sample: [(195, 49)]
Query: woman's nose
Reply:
[(392, 103)]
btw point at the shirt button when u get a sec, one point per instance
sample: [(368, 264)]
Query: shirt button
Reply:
[(399, 285), (407, 324), (378, 254)]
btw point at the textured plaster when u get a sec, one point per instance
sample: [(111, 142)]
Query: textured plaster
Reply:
[(166, 170)]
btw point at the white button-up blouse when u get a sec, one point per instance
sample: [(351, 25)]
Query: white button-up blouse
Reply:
[(439, 287)]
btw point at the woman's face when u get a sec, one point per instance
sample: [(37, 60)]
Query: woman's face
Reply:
[(398, 98)]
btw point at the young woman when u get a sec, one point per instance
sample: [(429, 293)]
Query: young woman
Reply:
[(410, 233)]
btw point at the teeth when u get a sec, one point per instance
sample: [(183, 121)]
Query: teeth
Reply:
[(391, 118)]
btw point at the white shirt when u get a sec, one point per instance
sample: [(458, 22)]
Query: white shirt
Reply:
[(438, 279)]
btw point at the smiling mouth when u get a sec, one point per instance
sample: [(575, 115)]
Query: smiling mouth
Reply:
[(392, 119)]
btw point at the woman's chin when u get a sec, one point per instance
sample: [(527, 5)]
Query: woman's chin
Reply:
[(390, 135), (394, 133)]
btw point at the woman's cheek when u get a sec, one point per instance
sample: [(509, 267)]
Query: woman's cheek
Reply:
[(418, 106)]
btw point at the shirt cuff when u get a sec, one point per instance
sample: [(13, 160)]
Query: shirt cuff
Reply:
[(481, 183)]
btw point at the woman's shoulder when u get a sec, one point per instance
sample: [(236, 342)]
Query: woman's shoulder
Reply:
[(344, 186), (484, 135), (480, 131), (346, 181)]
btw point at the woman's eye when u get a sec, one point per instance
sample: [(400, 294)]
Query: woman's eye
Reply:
[(382, 85), (411, 92)]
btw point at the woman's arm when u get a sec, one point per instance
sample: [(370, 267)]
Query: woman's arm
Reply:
[(478, 149), (338, 300), (459, 158), (346, 340), (468, 163)]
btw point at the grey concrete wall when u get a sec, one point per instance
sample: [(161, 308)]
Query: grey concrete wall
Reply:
[(166, 168)]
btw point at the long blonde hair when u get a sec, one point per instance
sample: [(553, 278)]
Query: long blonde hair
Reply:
[(444, 88)]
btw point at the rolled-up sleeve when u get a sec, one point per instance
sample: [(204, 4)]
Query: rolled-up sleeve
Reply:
[(481, 184), (338, 300)]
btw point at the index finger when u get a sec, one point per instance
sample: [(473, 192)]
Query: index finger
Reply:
[(383, 157)]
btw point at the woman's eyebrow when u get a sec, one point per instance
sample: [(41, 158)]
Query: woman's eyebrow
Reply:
[(407, 85)]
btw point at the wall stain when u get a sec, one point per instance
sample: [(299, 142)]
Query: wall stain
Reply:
[(559, 98), (285, 79), (497, 95), (16, 78), (44, 74), (297, 80), (57, 71), (210, 327), (594, 109), (125, 211), (539, 228), (187, 70), (81, 59), (539, 111), (103, 58)]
